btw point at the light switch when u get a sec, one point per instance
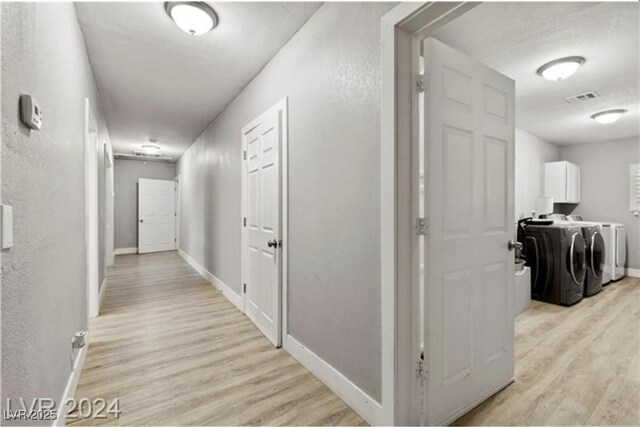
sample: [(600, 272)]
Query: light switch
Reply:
[(7, 226)]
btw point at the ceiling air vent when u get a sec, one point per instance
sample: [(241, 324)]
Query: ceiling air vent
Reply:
[(587, 96)]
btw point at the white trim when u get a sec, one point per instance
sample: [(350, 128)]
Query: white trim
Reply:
[(124, 251), (235, 299), (103, 287), (178, 209), (92, 222), (633, 272), (400, 28), (282, 107), (72, 384), (367, 407)]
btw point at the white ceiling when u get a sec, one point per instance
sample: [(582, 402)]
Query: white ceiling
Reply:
[(517, 38), (156, 81)]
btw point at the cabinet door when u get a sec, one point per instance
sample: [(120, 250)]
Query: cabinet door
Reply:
[(576, 172), (570, 183), (555, 181)]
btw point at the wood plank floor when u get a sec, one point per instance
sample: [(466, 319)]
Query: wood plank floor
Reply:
[(177, 352), (576, 365)]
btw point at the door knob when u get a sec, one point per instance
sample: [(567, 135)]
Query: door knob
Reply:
[(142, 220), (514, 245), (272, 243)]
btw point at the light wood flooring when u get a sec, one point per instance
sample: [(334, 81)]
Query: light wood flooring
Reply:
[(576, 365), (177, 352)]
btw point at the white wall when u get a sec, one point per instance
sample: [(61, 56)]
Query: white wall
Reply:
[(43, 275), (330, 70), (605, 186), (531, 155)]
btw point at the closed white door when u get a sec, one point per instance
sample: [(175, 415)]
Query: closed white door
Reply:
[(262, 252), (156, 215), (469, 208)]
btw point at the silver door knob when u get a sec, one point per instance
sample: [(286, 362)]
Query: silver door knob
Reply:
[(514, 245), (272, 243)]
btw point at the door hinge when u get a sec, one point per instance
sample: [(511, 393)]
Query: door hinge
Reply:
[(422, 227), (245, 154), (421, 81), (244, 221), (244, 288), (422, 371)]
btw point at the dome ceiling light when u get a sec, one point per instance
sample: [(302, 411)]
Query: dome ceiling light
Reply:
[(560, 69), (150, 148), (193, 17), (608, 116)]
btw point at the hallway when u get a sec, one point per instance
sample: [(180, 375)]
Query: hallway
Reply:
[(176, 352)]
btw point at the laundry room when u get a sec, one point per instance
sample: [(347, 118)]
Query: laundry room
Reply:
[(577, 191), (577, 143)]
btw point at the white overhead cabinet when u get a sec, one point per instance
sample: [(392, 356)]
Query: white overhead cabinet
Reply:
[(562, 182)]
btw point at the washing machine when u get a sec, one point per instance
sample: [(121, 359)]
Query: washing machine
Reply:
[(596, 253), (614, 249), (619, 257), (615, 239), (557, 256)]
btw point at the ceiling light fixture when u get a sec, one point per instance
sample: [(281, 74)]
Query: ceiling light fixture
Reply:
[(150, 148), (193, 17), (608, 116), (560, 69)]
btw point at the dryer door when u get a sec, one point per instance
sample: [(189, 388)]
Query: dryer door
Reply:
[(577, 258), (596, 254)]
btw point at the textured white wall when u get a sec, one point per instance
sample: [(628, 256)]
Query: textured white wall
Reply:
[(43, 275), (330, 70), (531, 155), (605, 186)]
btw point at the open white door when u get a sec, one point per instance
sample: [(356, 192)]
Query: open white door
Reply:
[(469, 207), (156, 215), (262, 238), (92, 224)]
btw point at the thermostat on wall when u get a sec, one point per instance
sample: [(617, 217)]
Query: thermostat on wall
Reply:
[(30, 112)]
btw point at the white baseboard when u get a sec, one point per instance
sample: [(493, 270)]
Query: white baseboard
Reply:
[(123, 251), (217, 283), (633, 272), (72, 384), (367, 407)]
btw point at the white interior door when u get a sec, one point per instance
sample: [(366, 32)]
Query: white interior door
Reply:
[(469, 207), (156, 215), (262, 252)]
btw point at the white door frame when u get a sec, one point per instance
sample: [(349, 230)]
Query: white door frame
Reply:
[(402, 29), (91, 208), (282, 108), (178, 208)]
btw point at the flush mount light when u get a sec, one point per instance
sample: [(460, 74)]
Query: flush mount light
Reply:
[(609, 116), (150, 148), (561, 68), (193, 17)]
